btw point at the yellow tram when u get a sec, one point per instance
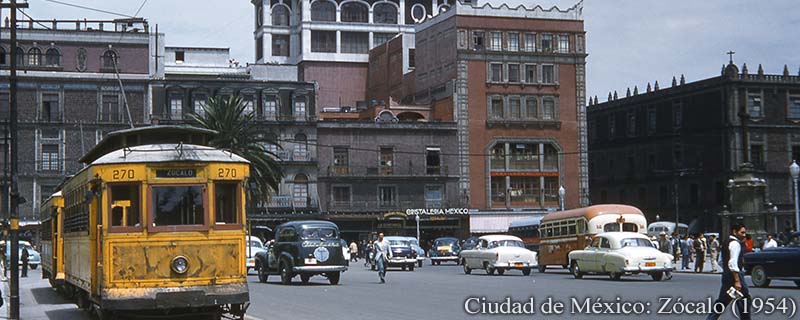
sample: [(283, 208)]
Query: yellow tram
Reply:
[(52, 240), (157, 228)]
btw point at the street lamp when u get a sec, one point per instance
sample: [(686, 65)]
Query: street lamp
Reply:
[(794, 170), (416, 217), (561, 193)]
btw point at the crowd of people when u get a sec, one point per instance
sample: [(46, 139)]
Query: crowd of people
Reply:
[(697, 249)]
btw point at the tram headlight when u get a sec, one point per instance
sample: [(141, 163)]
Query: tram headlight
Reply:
[(180, 264)]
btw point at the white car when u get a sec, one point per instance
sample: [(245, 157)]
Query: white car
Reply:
[(254, 245), (620, 253), (499, 253)]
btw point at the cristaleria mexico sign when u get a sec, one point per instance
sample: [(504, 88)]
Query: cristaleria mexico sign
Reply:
[(444, 211)]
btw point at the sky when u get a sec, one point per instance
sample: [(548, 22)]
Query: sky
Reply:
[(629, 42)]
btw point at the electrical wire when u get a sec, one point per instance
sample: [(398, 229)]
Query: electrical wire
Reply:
[(32, 19), (89, 8)]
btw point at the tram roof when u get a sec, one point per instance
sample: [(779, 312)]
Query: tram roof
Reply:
[(156, 134), (171, 152), (592, 211)]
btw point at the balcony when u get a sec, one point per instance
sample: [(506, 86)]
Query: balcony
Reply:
[(387, 171), (284, 201), (402, 205), (52, 117), (295, 156)]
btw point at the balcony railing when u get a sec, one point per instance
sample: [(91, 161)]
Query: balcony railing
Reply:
[(387, 171), (283, 201), (295, 155), (401, 205)]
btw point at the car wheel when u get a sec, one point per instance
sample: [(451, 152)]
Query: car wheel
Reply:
[(419, 263), (433, 263), (305, 277), (286, 275), (333, 277), (467, 269), (262, 274), (488, 268), (797, 283), (526, 271), (616, 276), (542, 268), (34, 266), (411, 267), (501, 271), (759, 277), (658, 276), (404, 268), (576, 270)]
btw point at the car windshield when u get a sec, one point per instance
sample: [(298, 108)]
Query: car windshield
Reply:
[(256, 244), (506, 243), (398, 243), (318, 233), (635, 242), (445, 242)]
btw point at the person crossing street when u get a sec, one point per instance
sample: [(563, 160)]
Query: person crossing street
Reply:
[(382, 255), (732, 275)]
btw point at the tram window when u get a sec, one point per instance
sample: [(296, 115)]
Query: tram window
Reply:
[(225, 203), (630, 227), (178, 205), (125, 206)]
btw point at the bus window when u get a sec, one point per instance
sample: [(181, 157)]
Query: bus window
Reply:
[(611, 227), (629, 227)]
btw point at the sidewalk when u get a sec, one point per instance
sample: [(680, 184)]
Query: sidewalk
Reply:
[(38, 301), (706, 267)]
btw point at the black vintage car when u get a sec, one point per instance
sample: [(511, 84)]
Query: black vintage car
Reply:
[(444, 249), (774, 264), (403, 254), (304, 248)]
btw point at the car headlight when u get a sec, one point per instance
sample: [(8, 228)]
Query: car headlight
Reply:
[(180, 264)]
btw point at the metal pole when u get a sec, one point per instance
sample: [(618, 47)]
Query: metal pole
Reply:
[(417, 218), (796, 208), (14, 215), (677, 205)]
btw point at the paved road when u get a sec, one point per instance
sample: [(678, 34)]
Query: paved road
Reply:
[(440, 292), (430, 292)]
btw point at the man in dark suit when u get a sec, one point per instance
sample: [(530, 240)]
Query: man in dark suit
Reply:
[(24, 258), (732, 274)]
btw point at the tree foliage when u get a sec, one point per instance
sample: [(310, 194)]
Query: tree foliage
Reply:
[(241, 135)]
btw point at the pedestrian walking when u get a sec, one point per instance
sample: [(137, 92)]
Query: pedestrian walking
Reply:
[(353, 252), (676, 247), (713, 250), (770, 243), (3, 262), (691, 248), (382, 254), (700, 253), (732, 275), (665, 246), (685, 253), (24, 258)]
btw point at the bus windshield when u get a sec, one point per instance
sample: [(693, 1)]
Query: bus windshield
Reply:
[(614, 227)]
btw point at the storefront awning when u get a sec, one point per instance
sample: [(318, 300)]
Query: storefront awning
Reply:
[(496, 222)]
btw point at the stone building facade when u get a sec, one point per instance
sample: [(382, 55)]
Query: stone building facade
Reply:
[(69, 95), (515, 80), (682, 143)]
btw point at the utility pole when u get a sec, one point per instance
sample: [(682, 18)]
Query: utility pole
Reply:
[(13, 196)]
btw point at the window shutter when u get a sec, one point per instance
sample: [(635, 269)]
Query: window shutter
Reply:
[(555, 73)]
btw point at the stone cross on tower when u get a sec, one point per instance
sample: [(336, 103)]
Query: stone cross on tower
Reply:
[(731, 53)]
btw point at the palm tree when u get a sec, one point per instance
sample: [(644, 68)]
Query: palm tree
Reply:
[(238, 133)]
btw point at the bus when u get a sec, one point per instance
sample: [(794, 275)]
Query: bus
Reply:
[(656, 228), (564, 231), (527, 229)]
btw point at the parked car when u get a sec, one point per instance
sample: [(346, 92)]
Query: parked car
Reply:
[(445, 249), (34, 258), (254, 245), (620, 253), (499, 253), (418, 250), (403, 255), (304, 248), (778, 263)]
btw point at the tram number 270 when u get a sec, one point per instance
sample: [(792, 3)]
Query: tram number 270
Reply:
[(122, 174), (226, 173)]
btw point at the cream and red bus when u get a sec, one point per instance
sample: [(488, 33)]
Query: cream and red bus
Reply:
[(564, 231)]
